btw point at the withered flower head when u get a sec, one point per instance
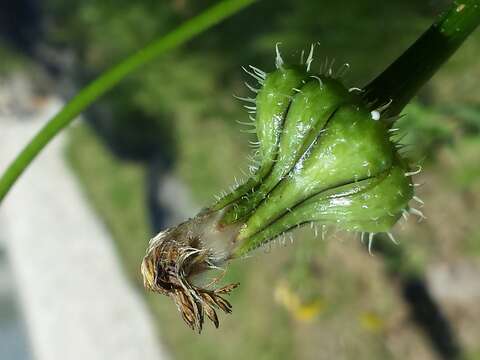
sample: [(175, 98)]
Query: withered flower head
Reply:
[(173, 258)]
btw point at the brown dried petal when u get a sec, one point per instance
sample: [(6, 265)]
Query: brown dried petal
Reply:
[(223, 304), (227, 289), (212, 315), (168, 267)]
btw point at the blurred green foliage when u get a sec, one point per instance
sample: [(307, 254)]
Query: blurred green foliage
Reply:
[(11, 60)]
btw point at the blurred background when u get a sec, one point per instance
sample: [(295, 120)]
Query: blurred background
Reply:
[(165, 141)]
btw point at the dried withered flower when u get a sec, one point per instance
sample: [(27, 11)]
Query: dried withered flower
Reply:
[(174, 257)]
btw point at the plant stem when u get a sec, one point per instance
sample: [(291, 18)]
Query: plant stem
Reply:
[(406, 75), (110, 78)]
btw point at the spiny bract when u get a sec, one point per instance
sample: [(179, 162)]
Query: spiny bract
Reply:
[(323, 156)]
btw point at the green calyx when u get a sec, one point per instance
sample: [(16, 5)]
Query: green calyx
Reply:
[(323, 157)]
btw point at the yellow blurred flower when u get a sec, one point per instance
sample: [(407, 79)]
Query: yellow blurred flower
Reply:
[(304, 312), (371, 321)]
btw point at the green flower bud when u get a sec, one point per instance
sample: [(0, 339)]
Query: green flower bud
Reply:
[(310, 105), (331, 154), (323, 157)]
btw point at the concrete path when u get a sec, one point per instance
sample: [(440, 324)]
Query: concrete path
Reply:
[(76, 300)]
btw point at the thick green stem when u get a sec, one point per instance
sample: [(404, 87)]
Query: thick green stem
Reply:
[(405, 76), (110, 78)]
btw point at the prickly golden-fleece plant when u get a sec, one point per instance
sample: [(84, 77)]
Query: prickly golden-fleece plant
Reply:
[(322, 157)]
